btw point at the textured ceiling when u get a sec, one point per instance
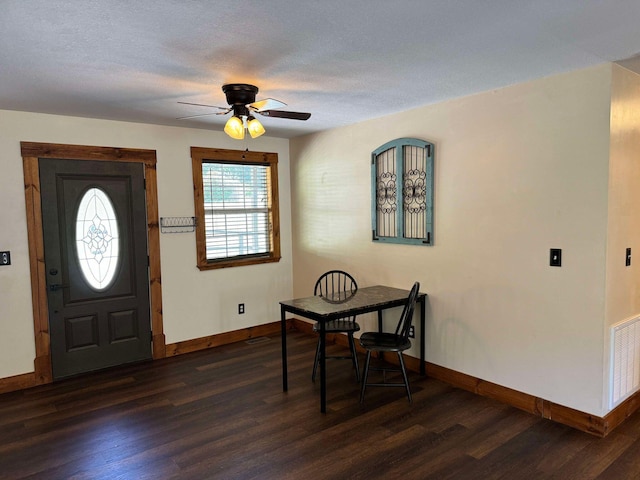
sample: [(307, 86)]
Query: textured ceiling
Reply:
[(344, 61)]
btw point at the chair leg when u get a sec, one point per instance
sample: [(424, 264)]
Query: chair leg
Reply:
[(354, 356), (365, 374), (404, 375), (316, 361)]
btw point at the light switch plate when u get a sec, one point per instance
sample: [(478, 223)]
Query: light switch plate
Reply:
[(5, 258)]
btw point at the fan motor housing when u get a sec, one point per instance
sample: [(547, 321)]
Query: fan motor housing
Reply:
[(240, 93)]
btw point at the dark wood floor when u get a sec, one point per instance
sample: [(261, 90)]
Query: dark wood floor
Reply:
[(222, 414)]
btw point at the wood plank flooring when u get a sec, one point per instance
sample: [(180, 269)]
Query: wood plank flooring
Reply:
[(221, 414)]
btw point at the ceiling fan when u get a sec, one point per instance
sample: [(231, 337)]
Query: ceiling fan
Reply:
[(241, 98)]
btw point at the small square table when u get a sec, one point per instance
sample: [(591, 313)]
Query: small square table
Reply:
[(324, 309)]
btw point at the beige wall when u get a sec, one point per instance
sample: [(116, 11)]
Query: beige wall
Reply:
[(195, 304), (623, 296), (518, 171), (623, 283)]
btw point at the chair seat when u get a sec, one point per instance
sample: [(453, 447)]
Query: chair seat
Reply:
[(385, 342), (340, 325)]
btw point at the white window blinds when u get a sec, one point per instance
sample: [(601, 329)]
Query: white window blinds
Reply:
[(237, 209)]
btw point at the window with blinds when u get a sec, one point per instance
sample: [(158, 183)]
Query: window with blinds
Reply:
[(236, 207), (402, 192)]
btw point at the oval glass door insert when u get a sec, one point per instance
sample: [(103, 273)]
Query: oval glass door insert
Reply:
[(97, 240)]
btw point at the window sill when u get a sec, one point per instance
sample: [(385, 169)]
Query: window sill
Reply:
[(228, 263)]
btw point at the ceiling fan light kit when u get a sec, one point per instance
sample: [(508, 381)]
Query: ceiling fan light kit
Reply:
[(236, 126), (242, 100)]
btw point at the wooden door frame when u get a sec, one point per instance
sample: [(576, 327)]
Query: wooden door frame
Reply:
[(32, 152)]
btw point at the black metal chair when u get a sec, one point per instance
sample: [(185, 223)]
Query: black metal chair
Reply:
[(328, 285), (390, 342)]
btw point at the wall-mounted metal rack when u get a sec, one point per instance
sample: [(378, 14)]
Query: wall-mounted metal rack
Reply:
[(177, 224)]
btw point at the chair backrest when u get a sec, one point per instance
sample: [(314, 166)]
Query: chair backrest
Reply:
[(404, 324), (335, 281)]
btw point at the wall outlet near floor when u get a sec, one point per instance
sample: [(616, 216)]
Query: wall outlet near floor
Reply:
[(412, 332), (240, 308)]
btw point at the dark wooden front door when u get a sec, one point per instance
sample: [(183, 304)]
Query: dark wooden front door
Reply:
[(95, 245)]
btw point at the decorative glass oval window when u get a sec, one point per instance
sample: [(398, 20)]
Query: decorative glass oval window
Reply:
[(97, 239)]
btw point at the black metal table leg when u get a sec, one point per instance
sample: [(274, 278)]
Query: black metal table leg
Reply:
[(323, 367), (283, 333), (422, 336)]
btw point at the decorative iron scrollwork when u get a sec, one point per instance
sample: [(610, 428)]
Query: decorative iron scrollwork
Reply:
[(414, 191), (386, 192)]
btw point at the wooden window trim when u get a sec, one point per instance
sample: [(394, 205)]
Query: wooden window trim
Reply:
[(200, 155)]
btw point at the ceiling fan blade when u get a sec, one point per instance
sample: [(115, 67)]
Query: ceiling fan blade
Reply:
[(202, 105), (285, 114), (266, 104), (203, 115), (225, 110)]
